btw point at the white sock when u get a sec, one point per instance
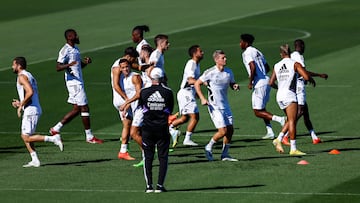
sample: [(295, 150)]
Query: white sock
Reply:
[(49, 139), (34, 156), (58, 126), (280, 136), (292, 145), (313, 134), (269, 129), (123, 148), (210, 145), (276, 118), (89, 134), (188, 135), (171, 130)]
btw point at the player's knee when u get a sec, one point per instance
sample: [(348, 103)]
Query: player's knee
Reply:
[(25, 138), (259, 113), (222, 131), (195, 117), (184, 119)]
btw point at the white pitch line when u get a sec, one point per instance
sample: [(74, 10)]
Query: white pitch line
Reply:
[(176, 31), (200, 192)]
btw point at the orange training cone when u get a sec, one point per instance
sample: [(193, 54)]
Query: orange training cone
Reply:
[(302, 162), (334, 151)]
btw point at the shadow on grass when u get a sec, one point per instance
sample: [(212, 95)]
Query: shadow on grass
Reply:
[(340, 149), (317, 133), (12, 150), (78, 163), (343, 139), (216, 188), (283, 156), (210, 130)]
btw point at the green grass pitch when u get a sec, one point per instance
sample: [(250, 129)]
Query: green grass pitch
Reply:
[(92, 173)]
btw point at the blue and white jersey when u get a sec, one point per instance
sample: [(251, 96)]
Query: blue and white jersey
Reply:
[(157, 58), (33, 106), (253, 54), (218, 84), (68, 54)]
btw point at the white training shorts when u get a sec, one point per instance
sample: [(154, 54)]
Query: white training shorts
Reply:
[(286, 101), (186, 101), (128, 114), (29, 123), (138, 117), (220, 117), (77, 95), (260, 96), (117, 102), (300, 92)]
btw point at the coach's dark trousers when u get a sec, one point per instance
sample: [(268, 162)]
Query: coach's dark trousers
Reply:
[(160, 140)]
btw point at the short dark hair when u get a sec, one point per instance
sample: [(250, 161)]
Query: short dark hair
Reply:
[(160, 37), (192, 50), (66, 33), (147, 48), (122, 60), (249, 38), (299, 42), (141, 29), (131, 51), (21, 61)]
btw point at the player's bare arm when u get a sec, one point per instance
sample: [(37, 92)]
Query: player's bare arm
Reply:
[(197, 86), (272, 80), (302, 71), (23, 80), (252, 74), (116, 78), (64, 66), (85, 62)]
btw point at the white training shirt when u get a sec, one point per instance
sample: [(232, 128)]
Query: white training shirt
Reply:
[(146, 80), (139, 46), (33, 106), (138, 49), (287, 78), (68, 54), (296, 56), (218, 84), (192, 69), (157, 58), (252, 54), (127, 86)]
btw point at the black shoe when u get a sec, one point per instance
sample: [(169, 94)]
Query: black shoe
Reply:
[(160, 188), (149, 189)]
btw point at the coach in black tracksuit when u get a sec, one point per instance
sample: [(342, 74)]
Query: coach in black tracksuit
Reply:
[(157, 103)]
